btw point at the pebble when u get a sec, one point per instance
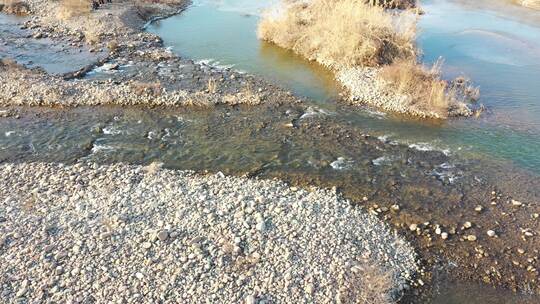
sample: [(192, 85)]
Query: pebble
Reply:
[(250, 299), (516, 203), (491, 233), (163, 235), (471, 237)]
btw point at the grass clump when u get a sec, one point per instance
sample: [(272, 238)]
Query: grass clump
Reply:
[(73, 8), (339, 33), (534, 4)]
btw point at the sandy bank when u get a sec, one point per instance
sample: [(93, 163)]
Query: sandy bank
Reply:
[(119, 232)]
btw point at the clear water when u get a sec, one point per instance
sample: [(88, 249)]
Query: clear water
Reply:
[(54, 56), (224, 34), (497, 51)]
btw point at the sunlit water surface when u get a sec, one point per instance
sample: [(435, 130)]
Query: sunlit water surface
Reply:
[(499, 53)]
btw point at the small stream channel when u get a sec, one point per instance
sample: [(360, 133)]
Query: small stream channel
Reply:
[(435, 170)]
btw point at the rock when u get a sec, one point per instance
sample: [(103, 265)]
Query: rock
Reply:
[(471, 237), (516, 203), (478, 208), (261, 226), (413, 227), (146, 245), (110, 66), (444, 235), (250, 299), (491, 233), (467, 225), (163, 235)]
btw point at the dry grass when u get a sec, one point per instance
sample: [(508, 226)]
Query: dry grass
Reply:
[(425, 88), (15, 7), (245, 96), (534, 4), (212, 86), (367, 284), (73, 8), (341, 33), (147, 88)]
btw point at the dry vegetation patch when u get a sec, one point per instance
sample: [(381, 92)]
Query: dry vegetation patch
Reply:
[(355, 34), (14, 7), (73, 8), (534, 4), (425, 89), (338, 34), (367, 283)]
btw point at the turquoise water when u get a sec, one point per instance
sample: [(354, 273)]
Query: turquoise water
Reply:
[(500, 53), (220, 33)]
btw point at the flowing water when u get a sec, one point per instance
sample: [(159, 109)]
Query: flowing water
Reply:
[(436, 162), (498, 52)]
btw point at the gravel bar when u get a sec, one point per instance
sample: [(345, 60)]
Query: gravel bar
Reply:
[(121, 233)]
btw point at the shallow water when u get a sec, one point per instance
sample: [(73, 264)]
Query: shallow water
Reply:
[(498, 53), (55, 57), (224, 35)]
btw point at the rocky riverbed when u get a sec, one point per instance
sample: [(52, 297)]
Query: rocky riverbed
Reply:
[(120, 233), (133, 68)]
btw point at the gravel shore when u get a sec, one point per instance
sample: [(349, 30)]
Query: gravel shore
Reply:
[(365, 86), (122, 233), (132, 67)]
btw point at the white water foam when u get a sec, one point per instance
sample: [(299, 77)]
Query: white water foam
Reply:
[(423, 146), (341, 164), (382, 160), (112, 130)]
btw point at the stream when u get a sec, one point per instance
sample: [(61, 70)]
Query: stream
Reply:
[(436, 171)]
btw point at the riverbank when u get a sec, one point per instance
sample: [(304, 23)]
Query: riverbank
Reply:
[(133, 69), (87, 232)]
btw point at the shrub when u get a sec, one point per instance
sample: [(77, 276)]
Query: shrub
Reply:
[(341, 33)]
